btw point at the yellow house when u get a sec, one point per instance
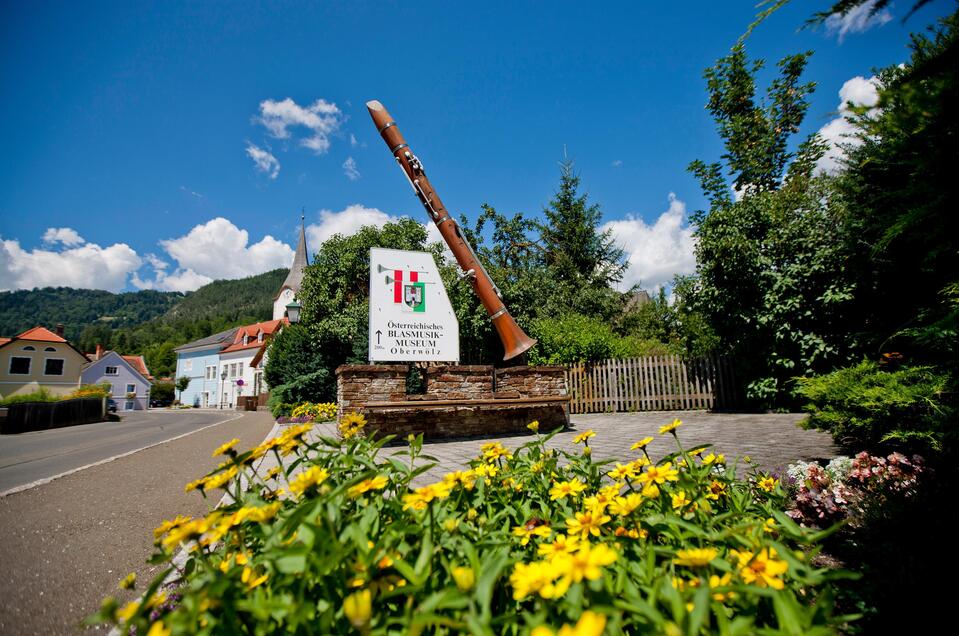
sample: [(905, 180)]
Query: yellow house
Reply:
[(39, 358)]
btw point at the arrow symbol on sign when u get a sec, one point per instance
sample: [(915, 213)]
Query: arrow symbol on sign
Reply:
[(378, 334)]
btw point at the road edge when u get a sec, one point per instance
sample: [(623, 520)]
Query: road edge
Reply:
[(47, 480)]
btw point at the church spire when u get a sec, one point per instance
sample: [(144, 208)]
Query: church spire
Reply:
[(300, 260)]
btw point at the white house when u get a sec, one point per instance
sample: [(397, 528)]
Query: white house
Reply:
[(127, 376), (243, 360)]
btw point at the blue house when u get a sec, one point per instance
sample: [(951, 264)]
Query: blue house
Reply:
[(129, 387), (200, 361)]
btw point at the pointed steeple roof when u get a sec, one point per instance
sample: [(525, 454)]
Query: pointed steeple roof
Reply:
[(300, 261)]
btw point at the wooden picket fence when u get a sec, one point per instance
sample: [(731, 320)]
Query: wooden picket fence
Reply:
[(652, 383)]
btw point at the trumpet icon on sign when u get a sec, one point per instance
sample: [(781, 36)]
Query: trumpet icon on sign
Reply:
[(408, 289)]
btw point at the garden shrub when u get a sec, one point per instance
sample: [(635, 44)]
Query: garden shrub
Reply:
[(41, 395), (869, 406), (92, 390), (574, 339), (522, 542)]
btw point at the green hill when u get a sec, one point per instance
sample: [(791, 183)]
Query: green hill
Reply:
[(147, 322)]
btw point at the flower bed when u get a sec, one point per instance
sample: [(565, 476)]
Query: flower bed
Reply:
[(523, 541)]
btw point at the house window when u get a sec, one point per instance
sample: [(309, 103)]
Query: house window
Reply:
[(50, 349), (239, 369), (128, 405), (53, 366), (259, 337), (188, 365), (211, 372), (131, 388), (19, 366), (233, 370), (246, 339), (29, 348), (112, 371)]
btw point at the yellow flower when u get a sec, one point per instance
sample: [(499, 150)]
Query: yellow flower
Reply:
[(375, 483), (641, 444), (587, 523), (714, 459), (530, 530), (309, 478), (419, 498), (543, 577), (465, 477), (716, 488), (563, 489), (697, 451), (166, 526), (767, 483), (589, 624), (623, 506), (226, 448), (533, 426), (721, 581), (464, 577), (669, 428), (680, 500), (221, 479), (761, 568), (695, 557), (129, 581), (659, 474), (584, 436), (251, 579), (196, 483), (632, 533), (769, 525), (358, 608), (158, 629), (351, 425), (451, 524), (274, 472), (562, 544), (587, 561), (125, 613), (486, 470), (493, 451), (623, 471)]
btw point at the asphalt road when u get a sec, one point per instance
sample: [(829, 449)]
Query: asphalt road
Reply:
[(28, 457), (65, 545)]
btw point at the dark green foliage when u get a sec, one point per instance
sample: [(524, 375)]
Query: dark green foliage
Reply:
[(162, 391), (901, 181), (297, 370), (79, 308), (230, 300), (868, 406), (575, 339), (182, 383), (770, 280)]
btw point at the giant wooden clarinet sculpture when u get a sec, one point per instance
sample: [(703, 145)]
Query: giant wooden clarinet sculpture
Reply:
[(515, 341)]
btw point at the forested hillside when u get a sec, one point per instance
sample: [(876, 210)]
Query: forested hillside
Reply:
[(146, 322), (79, 308)]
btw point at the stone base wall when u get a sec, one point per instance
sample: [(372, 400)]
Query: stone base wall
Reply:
[(460, 400), (532, 381), (465, 382), (465, 421)]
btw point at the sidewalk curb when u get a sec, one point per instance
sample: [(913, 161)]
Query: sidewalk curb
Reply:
[(47, 480), (180, 557)]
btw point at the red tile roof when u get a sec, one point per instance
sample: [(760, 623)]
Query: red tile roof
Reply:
[(4, 341), (138, 363), (41, 334), (268, 328)]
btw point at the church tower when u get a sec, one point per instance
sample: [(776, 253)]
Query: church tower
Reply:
[(291, 286)]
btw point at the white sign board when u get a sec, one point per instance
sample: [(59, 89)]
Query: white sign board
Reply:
[(411, 318)]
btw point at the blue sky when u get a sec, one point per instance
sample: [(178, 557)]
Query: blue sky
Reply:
[(130, 129)]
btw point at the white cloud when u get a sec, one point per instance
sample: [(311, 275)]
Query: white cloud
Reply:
[(350, 169), (180, 280), (265, 162), (657, 252), (87, 266), (65, 235), (218, 249), (345, 222), (840, 131), (617, 163), (353, 142), (321, 119), (858, 19)]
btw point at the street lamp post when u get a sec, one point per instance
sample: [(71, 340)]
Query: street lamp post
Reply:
[(293, 311), (222, 388)]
